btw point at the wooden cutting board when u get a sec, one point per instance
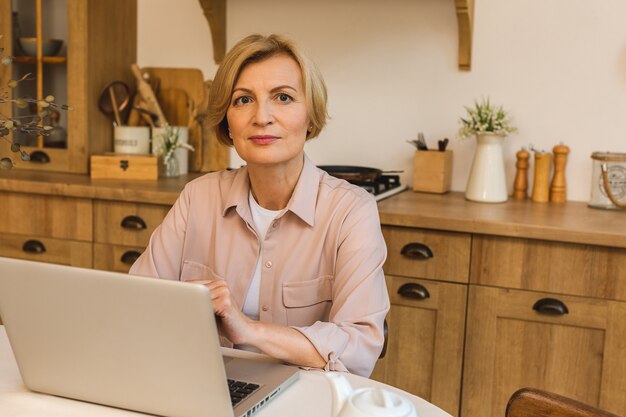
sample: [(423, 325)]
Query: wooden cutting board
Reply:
[(181, 93)]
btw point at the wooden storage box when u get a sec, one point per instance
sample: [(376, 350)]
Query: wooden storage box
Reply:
[(432, 171), (125, 167)]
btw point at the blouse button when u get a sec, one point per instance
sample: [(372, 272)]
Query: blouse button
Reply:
[(265, 308), (268, 264)]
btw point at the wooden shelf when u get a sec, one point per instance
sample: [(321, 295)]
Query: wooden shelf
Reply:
[(45, 59), (215, 13)]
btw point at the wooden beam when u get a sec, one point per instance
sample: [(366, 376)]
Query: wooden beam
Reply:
[(215, 13), (465, 20)]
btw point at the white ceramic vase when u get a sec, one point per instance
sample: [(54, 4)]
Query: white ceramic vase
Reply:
[(487, 181)]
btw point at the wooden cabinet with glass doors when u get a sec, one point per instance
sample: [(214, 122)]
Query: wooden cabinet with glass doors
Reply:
[(72, 48)]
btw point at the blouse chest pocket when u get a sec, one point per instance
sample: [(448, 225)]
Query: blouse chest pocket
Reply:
[(308, 301), (195, 271)]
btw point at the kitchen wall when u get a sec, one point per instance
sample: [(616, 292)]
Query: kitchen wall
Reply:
[(559, 66)]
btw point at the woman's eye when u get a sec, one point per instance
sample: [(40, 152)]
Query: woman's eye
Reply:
[(242, 100), (284, 98)]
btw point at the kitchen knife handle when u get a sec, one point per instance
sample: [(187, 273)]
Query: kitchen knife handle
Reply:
[(33, 246), (129, 257), (416, 250), (551, 307), (414, 291), (133, 223)]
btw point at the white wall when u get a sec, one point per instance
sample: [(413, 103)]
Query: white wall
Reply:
[(559, 66)]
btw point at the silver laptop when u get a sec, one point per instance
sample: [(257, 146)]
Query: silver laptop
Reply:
[(141, 344)]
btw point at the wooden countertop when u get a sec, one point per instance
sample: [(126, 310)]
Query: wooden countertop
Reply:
[(163, 191), (571, 222)]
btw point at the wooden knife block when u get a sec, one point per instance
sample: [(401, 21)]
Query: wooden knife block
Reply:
[(432, 171)]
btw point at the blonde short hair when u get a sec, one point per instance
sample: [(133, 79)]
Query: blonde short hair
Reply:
[(255, 48)]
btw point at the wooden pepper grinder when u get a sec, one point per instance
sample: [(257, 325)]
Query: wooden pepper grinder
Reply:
[(541, 185), (558, 187), (520, 186)]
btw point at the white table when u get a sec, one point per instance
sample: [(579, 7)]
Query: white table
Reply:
[(310, 396)]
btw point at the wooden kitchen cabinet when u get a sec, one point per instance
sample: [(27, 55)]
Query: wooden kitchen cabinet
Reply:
[(425, 340), (100, 44), (122, 231), (511, 345), (427, 272)]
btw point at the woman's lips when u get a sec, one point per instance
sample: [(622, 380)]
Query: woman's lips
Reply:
[(263, 139)]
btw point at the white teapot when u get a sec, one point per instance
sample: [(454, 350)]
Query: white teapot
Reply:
[(366, 402)]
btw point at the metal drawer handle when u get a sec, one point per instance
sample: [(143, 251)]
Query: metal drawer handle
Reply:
[(33, 246), (414, 291), (40, 157), (551, 306), (416, 250), (129, 257), (134, 223)]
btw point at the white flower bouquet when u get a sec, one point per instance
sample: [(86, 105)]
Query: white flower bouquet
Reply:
[(170, 141), (485, 118)]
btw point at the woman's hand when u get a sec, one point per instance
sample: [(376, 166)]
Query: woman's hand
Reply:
[(278, 341), (234, 325)]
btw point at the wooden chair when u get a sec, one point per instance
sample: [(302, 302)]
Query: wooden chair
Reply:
[(531, 402)]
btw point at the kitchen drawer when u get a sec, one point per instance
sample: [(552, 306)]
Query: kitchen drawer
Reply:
[(44, 249), (430, 254), (116, 258), (564, 268), (126, 223), (46, 216)]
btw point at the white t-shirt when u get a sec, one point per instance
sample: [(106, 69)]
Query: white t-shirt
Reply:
[(262, 218)]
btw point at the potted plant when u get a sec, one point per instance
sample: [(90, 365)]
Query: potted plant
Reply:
[(490, 124), (166, 145)]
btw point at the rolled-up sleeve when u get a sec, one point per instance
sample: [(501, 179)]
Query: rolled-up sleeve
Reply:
[(353, 337)]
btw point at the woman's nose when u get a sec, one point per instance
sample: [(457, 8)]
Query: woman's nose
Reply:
[(263, 114)]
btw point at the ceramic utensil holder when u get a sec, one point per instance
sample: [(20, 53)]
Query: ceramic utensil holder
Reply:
[(432, 171), (131, 139)]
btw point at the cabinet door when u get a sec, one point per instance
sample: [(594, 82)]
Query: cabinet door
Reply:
[(510, 345), (425, 340)]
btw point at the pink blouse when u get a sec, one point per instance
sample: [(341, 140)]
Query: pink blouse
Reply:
[(322, 259)]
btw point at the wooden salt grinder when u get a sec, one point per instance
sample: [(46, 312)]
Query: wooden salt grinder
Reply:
[(520, 186), (541, 185), (558, 187)]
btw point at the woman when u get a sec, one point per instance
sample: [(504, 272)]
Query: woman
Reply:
[(293, 257)]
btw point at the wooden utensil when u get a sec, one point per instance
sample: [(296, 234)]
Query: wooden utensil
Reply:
[(113, 99), (147, 95)]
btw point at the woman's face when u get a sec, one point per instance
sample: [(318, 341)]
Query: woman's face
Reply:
[(267, 115)]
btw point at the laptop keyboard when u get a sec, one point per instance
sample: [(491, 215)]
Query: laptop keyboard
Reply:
[(239, 390)]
